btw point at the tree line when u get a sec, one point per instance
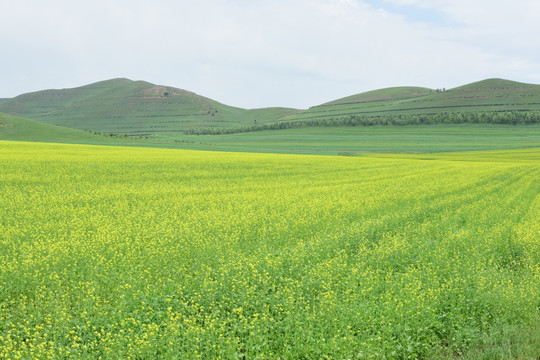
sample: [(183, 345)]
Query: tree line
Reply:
[(493, 117)]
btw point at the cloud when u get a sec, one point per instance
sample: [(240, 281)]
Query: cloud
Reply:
[(268, 53)]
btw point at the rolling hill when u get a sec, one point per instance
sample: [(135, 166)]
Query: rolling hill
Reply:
[(488, 95), (138, 108), (14, 128)]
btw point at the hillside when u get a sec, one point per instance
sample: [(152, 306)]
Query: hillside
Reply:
[(488, 95), (19, 129), (138, 108), (16, 128), (135, 108)]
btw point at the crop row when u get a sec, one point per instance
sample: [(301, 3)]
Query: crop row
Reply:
[(154, 253)]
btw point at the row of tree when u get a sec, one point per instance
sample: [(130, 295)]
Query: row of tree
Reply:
[(505, 117)]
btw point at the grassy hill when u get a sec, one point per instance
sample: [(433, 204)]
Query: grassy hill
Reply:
[(136, 108), (16, 128), (19, 129), (488, 95), (388, 94), (164, 113)]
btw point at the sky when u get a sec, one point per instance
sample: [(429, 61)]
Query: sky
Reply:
[(262, 53)]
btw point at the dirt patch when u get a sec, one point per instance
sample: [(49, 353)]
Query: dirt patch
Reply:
[(164, 91)]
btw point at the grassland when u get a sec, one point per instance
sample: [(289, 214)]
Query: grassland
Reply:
[(138, 108), (15, 128), (313, 140), (488, 95), (135, 108), (129, 253), (372, 139)]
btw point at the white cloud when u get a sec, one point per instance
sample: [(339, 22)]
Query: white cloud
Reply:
[(266, 53)]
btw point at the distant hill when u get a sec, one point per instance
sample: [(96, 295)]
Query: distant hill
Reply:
[(488, 95), (139, 108), (135, 108), (388, 94)]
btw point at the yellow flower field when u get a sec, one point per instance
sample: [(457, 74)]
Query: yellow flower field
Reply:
[(130, 253)]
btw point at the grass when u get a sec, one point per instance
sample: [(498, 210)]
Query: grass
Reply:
[(138, 108), (487, 95), (19, 129), (137, 253), (315, 140), (421, 242), (379, 139), (16, 128)]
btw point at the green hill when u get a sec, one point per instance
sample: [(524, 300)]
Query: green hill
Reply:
[(15, 128), (388, 94), (136, 108), (20, 129), (488, 95)]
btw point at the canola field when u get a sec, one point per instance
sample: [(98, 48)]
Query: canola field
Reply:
[(129, 253)]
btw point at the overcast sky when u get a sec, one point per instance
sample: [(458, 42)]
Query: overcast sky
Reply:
[(258, 53)]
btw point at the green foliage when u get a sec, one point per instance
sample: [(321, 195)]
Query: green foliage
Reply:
[(152, 253)]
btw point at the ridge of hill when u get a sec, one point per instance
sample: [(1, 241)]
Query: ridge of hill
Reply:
[(489, 95), (392, 93), (136, 108), (139, 108)]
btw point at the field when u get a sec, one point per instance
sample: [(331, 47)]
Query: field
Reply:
[(343, 140), (132, 253), (360, 140)]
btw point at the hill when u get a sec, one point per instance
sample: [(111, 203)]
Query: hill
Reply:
[(19, 129), (16, 128), (139, 108), (492, 95), (388, 94), (136, 108)]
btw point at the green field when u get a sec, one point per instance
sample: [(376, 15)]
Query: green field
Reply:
[(313, 140), (139, 253), (372, 139), (15, 128)]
